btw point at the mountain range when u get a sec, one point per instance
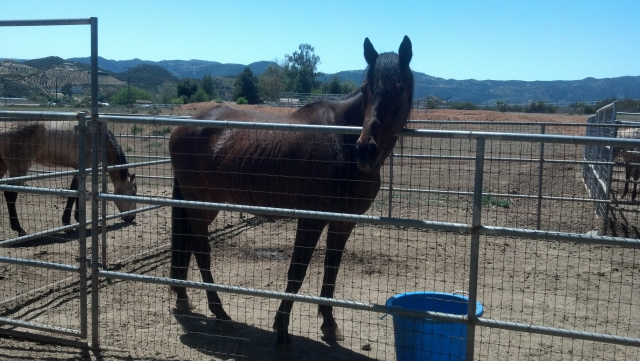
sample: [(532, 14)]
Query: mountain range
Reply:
[(475, 91)]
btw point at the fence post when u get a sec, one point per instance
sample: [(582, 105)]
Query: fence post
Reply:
[(474, 252), (94, 186), (609, 169), (540, 171), (95, 172), (82, 230)]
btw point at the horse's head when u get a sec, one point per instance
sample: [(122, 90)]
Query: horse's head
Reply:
[(387, 93), (126, 186)]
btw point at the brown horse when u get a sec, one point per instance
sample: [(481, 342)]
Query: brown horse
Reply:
[(631, 159), (55, 144), (298, 170)]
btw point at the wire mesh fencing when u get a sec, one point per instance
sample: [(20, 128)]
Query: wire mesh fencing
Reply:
[(551, 285)]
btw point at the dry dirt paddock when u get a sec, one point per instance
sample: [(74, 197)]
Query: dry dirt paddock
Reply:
[(569, 285)]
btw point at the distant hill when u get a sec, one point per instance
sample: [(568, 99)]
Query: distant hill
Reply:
[(181, 68), (150, 75), (146, 76), (517, 91)]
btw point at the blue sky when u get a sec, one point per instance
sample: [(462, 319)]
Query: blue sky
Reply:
[(498, 40)]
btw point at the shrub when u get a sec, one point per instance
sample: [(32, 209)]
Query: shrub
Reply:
[(242, 100)]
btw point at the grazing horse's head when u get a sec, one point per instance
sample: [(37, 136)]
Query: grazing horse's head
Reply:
[(126, 185), (387, 93)]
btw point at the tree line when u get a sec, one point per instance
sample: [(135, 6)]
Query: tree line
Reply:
[(298, 73)]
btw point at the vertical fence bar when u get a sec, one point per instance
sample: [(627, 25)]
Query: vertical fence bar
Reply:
[(82, 230), (540, 171), (103, 204), (95, 341), (609, 170), (474, 252)]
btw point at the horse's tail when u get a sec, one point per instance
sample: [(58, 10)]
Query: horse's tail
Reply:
[(181, 237)]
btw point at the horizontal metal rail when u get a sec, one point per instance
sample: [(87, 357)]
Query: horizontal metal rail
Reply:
[(39, 190), (40, 326), (420, 133), (496, 123), (505, 195), (386, 221), (45, 22), (39, 264)]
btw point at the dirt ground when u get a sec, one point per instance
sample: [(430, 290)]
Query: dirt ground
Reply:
[(582, 287)]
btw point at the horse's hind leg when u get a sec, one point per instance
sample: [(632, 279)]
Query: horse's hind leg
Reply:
[(66, 214), (337, 237), (11, 198), (181, 249), (202, 253)]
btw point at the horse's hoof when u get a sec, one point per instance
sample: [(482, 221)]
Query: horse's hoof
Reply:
[(184, 305), (286, 352), (22, 233), (332, 333)]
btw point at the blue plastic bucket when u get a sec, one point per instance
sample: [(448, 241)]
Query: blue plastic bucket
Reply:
[(427, 339)]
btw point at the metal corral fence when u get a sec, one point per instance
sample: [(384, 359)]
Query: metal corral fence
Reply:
[(618, 215), (500, 216)]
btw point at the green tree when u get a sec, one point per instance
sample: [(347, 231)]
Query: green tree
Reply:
[(122, 96), (186, 88), (209, 87), (333, 86), (246, 86), (67, 90), (348, 86), (300, 69), (199, 96), (271, 83), (167, 92)]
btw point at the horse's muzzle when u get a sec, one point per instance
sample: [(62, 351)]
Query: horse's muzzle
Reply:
[(367, 155), (128, 218)]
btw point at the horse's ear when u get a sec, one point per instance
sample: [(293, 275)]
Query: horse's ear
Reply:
[(405, 53), (370, 54)]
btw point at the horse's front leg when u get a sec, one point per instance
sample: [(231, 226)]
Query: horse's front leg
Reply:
[(307, 236), (337, 237), (66, 214), (11, 198)]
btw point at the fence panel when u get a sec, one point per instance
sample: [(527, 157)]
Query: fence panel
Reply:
[(43, 278), (549, 286)]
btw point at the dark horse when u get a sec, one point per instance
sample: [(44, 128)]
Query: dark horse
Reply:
[(55, 144), (298, 170)]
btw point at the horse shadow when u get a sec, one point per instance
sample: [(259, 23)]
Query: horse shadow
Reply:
[(203, 333)]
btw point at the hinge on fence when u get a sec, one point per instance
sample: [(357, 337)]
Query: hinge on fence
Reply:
[(89, 262)]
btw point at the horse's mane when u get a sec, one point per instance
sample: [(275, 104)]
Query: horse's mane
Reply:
[(121, 158)]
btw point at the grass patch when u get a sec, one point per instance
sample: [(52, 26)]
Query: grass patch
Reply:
[(161, 132), (136, 129), (495, 202)]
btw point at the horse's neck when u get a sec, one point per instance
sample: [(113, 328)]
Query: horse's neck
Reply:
[(351, 109)]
